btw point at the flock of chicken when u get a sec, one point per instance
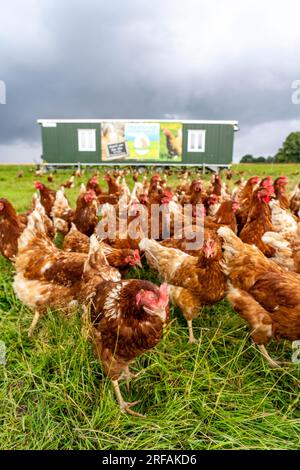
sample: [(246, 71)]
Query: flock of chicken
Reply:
[(250, 253)]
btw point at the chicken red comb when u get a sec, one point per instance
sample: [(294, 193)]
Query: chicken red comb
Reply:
[(38, 185), (268, 187), (265, 189), (282, 179), (208, 247), (143, 199), (168, 193), (267, 181), (197, 184), (254, 179), (235, 205), (213, 198), (90, 195), (265, 193)]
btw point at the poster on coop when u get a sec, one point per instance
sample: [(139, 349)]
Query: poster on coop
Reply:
[(141, 141), (171, 141), (113, 144)]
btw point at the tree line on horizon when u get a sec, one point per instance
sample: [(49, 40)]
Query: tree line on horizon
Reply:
[(288, 153)]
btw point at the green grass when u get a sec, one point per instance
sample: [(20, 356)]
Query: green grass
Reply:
[(216, 395)]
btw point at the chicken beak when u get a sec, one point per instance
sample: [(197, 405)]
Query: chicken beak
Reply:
[(139, 264), (159, 311)]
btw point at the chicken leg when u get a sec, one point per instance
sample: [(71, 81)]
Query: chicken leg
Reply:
[(272, 362), (127, 375), (267, 357), (256, 316), (33, 323), (192, 338), (189, 305), (87, 330), (125, 406)]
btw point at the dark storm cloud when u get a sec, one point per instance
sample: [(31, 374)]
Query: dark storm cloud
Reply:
[(136, 58)]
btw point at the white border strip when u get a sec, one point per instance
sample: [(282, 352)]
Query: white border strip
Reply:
[(93, 121)]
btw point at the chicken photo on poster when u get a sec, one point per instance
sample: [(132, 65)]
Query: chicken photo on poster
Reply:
[(113, 143), (171, 141), (143, 140)]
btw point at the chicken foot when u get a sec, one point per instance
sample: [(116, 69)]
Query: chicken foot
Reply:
[(274, 364), (33, 323), (125, 406)]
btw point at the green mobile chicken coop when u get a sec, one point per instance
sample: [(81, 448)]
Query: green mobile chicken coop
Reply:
[(138, 142)]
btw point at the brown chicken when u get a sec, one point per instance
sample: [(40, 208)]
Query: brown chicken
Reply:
[(108, 199), (212, 205), (128, 319), (85, 216), (216, 185), (61, 213), (153, 181), (264, 295), (113, 186), (184, 184), (47, 222), (47, 196), (194, 188), (194, 281), (259, 220), (141, 220), (76, 241), (225, 215), (135, 176), (69, 183), (196, 194), (11, 228), (244, 199), (188, 244), (121, 258), (287, 249), (94, 185), (229, 174), (45, 278), (280, 191), (295, 201)]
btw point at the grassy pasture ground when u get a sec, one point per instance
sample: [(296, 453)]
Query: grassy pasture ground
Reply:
[(216, 395)]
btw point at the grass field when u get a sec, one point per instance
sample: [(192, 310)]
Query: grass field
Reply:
[(219, 394)]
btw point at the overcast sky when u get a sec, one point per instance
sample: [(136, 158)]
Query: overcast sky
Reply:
[(189, 59)]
